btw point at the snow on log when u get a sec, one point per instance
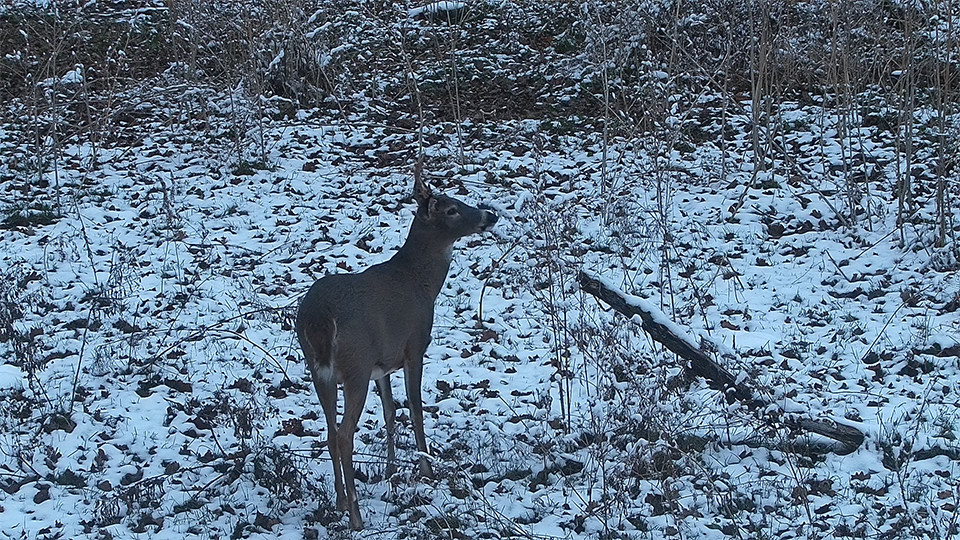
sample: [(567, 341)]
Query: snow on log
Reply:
[(666, 332), (670, 335), (435, 8)]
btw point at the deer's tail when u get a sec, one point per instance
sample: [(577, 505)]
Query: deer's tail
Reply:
[(318, 339)]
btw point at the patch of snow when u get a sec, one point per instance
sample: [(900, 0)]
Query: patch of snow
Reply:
[(435, 7)]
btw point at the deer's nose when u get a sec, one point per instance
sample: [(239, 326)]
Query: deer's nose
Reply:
[(489, 216)]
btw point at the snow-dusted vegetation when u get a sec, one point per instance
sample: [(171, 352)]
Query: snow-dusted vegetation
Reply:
[(773, 181)]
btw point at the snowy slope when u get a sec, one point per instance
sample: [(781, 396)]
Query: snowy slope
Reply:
[(151, 382), (153, 386)]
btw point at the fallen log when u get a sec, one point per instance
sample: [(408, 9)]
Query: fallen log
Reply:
[(664, 331)]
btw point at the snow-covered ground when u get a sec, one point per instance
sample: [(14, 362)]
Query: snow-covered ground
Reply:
[(152, 385)]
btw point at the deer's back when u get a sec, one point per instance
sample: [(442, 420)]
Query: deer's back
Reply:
[(376, 314)]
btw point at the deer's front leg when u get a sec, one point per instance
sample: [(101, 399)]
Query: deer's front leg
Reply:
[(390, 420), (413, 376)]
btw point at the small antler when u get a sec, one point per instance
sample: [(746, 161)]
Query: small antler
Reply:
[(421, 191)]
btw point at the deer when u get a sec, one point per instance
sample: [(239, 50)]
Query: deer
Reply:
[(354, 328)]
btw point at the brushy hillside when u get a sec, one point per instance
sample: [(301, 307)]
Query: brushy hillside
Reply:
[(777, 180)]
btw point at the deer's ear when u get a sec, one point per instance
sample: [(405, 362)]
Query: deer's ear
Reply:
[(427, 207)]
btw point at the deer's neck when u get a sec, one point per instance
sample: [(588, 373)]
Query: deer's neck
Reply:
[(425, 259)]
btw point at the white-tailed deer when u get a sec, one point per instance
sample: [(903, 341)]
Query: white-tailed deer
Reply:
[(354, 328)]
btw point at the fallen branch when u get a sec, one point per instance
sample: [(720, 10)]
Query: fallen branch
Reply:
[(667, 333)]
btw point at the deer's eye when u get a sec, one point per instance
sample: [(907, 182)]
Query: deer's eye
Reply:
[(452, 211)]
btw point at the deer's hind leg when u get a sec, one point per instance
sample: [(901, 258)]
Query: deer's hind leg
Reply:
[(318, 343), (355, 391), (327, 392)]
